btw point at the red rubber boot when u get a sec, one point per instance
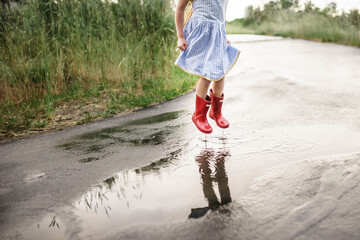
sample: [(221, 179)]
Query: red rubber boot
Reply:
[(199, 116), (215, 111)]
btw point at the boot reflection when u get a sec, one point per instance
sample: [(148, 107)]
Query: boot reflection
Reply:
[(208, 160)]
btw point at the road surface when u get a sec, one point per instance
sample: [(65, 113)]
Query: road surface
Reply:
[(287, 168)]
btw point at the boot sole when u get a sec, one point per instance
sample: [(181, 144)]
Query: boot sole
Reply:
[(200, 129), (217, 123)]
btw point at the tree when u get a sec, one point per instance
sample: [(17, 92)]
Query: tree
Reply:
[(253, 15), (331, 9), (249, 12), (296, 4), (354, 17), (309, 6), (271, 7), (286, 4)]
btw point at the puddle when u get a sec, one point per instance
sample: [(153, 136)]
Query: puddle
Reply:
[(169, 189), (149, 131), (277, 116), (195, 177), (51, 227)]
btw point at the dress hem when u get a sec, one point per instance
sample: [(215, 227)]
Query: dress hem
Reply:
[(214, 80)]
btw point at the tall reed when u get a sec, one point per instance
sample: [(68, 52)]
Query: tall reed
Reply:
[(51, 48)]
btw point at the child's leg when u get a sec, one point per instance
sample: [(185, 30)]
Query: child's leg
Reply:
[(217, 97), (202, 104), (218, 87), (202, 87)]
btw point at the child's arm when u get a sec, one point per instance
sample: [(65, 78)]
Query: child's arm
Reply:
[(179, 21)]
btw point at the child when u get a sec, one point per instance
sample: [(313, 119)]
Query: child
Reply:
[(205, 52)]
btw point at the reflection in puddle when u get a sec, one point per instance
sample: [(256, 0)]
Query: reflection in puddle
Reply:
[(206, 161), (189, 175), (53, 223), (88, 159), (158, 192), (49, 228), (140, 132), (154, 167)]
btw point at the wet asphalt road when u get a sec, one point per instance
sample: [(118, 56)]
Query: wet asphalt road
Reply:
[(287, 168)]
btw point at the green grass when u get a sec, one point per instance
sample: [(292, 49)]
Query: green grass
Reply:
[(37, 114), (75, 53), (312, 25), (238, 27)]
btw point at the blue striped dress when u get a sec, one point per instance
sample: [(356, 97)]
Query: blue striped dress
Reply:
[(208, 55)]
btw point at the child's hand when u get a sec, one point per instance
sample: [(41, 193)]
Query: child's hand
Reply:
[(182, 44), (228, 42)]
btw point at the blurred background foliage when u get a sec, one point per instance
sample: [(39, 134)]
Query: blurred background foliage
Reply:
[(290, 19)]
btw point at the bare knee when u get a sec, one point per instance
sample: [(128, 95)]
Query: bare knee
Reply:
[(204, 82), (219, 82)]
